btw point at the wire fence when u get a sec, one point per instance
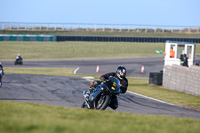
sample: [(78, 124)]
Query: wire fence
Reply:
[(23, 26)]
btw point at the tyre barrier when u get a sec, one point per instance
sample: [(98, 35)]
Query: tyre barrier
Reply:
[(156, 78), (7, 37), (124, 39)]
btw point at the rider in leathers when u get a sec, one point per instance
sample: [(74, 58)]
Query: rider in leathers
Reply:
[(120, 74)]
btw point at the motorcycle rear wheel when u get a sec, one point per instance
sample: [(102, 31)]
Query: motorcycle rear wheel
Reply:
[(102, 102)]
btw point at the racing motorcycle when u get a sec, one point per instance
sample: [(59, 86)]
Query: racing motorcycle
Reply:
[(1, 75), (18, 61), (101, 96)]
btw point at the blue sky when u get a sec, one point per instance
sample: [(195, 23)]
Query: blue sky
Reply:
[(147, 12)]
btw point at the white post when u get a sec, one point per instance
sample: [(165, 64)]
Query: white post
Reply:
[(48, 26), (18, 26), (3, 26), (55, 27), (190, 29), (163, 30), (40, 27), (103, 28), (10, 25), (129, 28), (112, 28), (146, 29), (172, 29), (95, 27), (86, 27), (120, 28)]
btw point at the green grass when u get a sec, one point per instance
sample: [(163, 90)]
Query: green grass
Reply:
[(17, 117), (77, 50), (141, 86)]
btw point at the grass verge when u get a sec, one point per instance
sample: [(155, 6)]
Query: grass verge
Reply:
[(19, 117), (77, 50)]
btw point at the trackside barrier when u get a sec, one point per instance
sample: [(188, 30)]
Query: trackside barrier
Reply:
[(124, 39), (7, 37)]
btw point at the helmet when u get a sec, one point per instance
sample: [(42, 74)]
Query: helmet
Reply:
[(121, 72), (19, 55)]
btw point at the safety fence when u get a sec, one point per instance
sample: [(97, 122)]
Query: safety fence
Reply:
[(6, 37), (124, 39), (96, 27)]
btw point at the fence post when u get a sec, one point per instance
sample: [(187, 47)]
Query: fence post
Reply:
[(155, 29), (137, 30), (103, 27), (129, 28), (10, 25), (18, 26), (120, 28), (95, 27), (197, 29), (86, 27), (40, 27), (55, 27), (163, 30), (190, 29), (25, 26), (63, 26), (48, 26), (146, 29), (172, 29), (112, 28), (2, 26)]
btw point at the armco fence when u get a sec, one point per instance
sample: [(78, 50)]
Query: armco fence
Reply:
[(27, 26)]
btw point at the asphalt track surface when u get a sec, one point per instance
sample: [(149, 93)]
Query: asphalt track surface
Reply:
[(89, 66), (67, 91)]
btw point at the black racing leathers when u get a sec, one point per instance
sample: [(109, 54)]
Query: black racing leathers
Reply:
[(123, 82)]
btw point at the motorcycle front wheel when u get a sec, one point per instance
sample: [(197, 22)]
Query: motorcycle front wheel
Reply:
[(102, 102)]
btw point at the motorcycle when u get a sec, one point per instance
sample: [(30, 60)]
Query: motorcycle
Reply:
[(1, 75), (101, 96), (18, 61)]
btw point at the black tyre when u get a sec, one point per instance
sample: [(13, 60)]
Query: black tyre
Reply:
[(102, 102)]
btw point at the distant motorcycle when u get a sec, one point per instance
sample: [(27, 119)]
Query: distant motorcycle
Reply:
[(101, 96), (18, 61), (1, 76)]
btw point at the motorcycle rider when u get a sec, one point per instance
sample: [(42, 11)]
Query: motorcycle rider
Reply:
[(18, 58), (120, 74), (1, 67)]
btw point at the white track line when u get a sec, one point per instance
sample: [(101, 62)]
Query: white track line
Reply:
[(149, 98), (76, 70)]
